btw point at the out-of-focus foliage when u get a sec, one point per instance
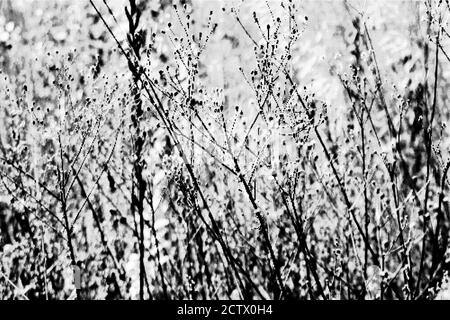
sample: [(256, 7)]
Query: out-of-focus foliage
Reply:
[(224, 149)]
